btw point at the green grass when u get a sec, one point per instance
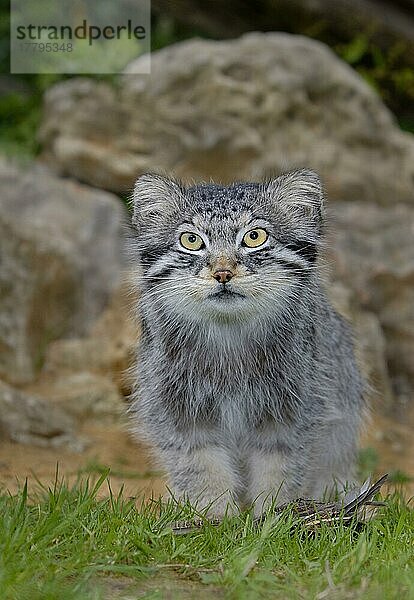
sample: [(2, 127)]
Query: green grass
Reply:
[(64, 543)]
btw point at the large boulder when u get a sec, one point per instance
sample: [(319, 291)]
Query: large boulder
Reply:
[(107, 351), (27, 419), (83, 395), (60, 260), (372, 251), (370, 346), (239, 109), (87, 377)]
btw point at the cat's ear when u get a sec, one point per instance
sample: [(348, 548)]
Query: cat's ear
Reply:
[(299, 196), (155, 197)]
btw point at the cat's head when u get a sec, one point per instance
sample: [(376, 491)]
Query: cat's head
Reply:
[(226, 253)]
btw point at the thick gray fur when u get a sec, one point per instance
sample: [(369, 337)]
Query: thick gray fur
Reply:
[(247, 397)]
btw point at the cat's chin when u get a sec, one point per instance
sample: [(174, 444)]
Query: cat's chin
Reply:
[(226, 307), (226, 301), (225, 297)]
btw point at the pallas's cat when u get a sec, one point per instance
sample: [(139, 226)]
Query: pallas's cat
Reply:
[(246, 383)]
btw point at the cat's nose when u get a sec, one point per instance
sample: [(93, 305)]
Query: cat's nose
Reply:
[(223, 275)]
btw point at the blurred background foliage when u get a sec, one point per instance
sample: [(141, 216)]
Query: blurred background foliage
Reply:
[(386, 70)]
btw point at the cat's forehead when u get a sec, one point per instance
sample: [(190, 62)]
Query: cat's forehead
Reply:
[(228, 205), (219, 198)]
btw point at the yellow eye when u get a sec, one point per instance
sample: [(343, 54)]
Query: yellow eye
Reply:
[(255, 238), (191, 241)]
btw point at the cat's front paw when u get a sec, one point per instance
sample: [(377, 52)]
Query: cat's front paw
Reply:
[(264, 502), (217, 508)]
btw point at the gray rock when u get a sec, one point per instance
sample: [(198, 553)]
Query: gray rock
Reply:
[(372, 252), (108, 351), (27, 419), (370, 347), (84, 395), (239, 109), (92, 143), (60, 260)]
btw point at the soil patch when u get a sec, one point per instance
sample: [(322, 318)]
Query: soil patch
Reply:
[(109, 446), (132, 467)]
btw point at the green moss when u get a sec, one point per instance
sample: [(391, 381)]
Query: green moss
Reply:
[(19, 118), (386, 72)]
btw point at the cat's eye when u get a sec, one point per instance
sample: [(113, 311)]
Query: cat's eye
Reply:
[(191, 241), (254, 238)]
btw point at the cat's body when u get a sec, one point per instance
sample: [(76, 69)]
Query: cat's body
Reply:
[(246, 381)]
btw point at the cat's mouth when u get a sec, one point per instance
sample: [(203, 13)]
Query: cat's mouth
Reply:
[(225, 294)]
